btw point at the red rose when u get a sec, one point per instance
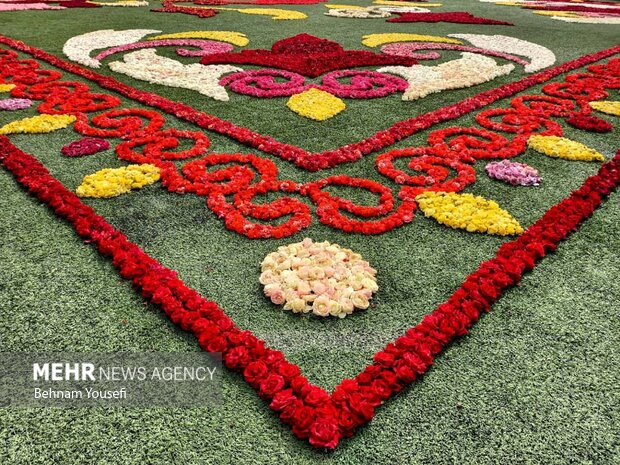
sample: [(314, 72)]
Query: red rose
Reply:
[(302, 420), (271, 385), (288, 413), (313, 395), (273, 356), (217, 344), (324, 433), (361, 407), (282, 400), (384, 359), (287, 369), (255, 372), (347, 421), (237, 358), (298, 383), (404, 373)]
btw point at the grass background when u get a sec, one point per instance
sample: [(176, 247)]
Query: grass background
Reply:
[(535, 382)]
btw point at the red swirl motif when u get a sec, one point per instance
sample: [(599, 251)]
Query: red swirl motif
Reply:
[(437, 169), (124, 123), (158, 144)]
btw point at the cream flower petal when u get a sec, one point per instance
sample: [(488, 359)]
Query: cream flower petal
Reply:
[(467, 71), (540, 57), (79, 48), (146, 65)]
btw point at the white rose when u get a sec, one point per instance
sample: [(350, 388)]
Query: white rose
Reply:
[(298, 305), (320, 306), (267, 277), (360, 300)]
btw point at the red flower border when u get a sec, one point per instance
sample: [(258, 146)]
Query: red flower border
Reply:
[(301, 157), (311, 411)]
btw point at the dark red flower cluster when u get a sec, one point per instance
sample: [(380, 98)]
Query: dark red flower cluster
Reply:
[(461, 17), (170, 7), (311, 412), (85, 146), (605, 74), (589, 123), (307, 55), (611, 9)]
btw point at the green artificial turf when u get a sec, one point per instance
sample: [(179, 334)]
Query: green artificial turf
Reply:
[(536, 381)]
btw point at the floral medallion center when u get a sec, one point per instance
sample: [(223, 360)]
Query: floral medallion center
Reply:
[(318, 277)]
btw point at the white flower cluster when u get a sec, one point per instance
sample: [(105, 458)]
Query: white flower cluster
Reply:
[(467, 71), (372, 12), (318, 277), (79, 48), (363, 13), (540, 57), (146, 65)]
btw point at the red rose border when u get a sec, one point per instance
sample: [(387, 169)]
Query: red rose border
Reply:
[(302, 158), (311, 411)]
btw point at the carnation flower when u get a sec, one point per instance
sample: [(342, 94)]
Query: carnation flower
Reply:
[(15, 104), (517, 174)]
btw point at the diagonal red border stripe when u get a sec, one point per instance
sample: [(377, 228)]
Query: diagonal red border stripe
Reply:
[(302, 158), (311, 411)]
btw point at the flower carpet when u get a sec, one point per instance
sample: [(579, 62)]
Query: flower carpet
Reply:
[(395, 220)]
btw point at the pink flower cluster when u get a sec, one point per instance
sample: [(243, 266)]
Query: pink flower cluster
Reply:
[(517, 174), (269, 83), (15, 103)]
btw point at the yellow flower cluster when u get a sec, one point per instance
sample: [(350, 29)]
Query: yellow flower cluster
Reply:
[(609, 107), (316, 104), (560, 147), (111, 182), (37, 124), (235, 38), (372, 40), (275, 13), (6, 87), (469, 212)]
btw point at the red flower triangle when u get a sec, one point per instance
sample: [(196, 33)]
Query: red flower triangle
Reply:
[(308, 55)]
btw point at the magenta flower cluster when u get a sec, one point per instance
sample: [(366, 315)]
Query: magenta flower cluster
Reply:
[(15, 103), (517, 174)]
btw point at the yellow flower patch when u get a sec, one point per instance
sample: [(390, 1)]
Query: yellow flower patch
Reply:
[(609, 107), (469, 212), (7, 87), (38, 124), (111, 182), (372, 40), (275, 13), (560, 147), (235, 38), (344, 7), (316, 104)]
